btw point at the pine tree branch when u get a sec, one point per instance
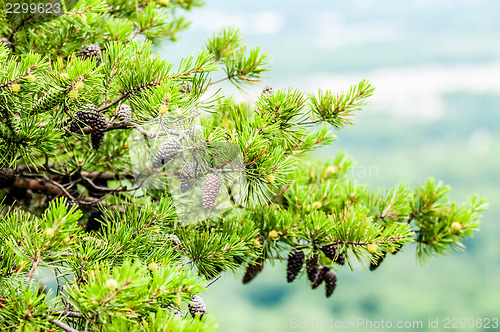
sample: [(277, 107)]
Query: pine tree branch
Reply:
[(63, 326), (128, 94)]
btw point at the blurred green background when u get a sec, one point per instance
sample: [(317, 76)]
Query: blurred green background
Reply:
[(436, 67)]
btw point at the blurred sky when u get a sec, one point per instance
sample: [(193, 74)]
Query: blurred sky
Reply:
[(413, 51)]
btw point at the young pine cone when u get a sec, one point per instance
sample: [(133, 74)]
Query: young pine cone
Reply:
[(7, 177), (330, 282), (252, 270), (197, 306), (124, 112), (294, 265), (167, 151), (211, 188), (91, 51)]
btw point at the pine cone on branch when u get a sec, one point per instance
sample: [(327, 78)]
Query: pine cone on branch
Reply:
[(197, 306), (92, 51), (253, 269), (312, 267), (167, 151), (294, 265), (211, 188), (330, 282)]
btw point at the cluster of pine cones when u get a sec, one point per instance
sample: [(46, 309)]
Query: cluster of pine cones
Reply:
[(316, 273)]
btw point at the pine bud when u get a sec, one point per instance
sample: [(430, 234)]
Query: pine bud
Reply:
[(111, 284), (91, 52), (167, 151), (31, 78), (312, 267), (372, 248), (330, 170), (252, 270), (456, 226), (330, 282), (294, 265), (79, 85), (124, 112), (64, 76), (15, 88), (50, 232), (316, 205), (211, 188), (377, 260), (271, 179), (73, 94), (163, 109), (273, 235), (164, 2), (152, 266), (197, 306), (7, 177)]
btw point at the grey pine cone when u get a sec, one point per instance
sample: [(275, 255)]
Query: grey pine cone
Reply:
[(211, 188), (91, 51), (197, 306), (167, 151), (124, 112)]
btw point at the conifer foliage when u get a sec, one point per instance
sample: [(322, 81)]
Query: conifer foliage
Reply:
[(76, 86)]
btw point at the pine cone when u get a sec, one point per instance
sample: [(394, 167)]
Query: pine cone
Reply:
[(124, 112), (167, 151), (340, 259), (329, 250), (312, 267), (49, 100), (267, 90), (197, 306), (211, 188), (91, 51), (330, 282), (294, 265), (96, 137), (7, 177), (93, 222), (378, 260), (320, 276), (252, 270), (187, 87)]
